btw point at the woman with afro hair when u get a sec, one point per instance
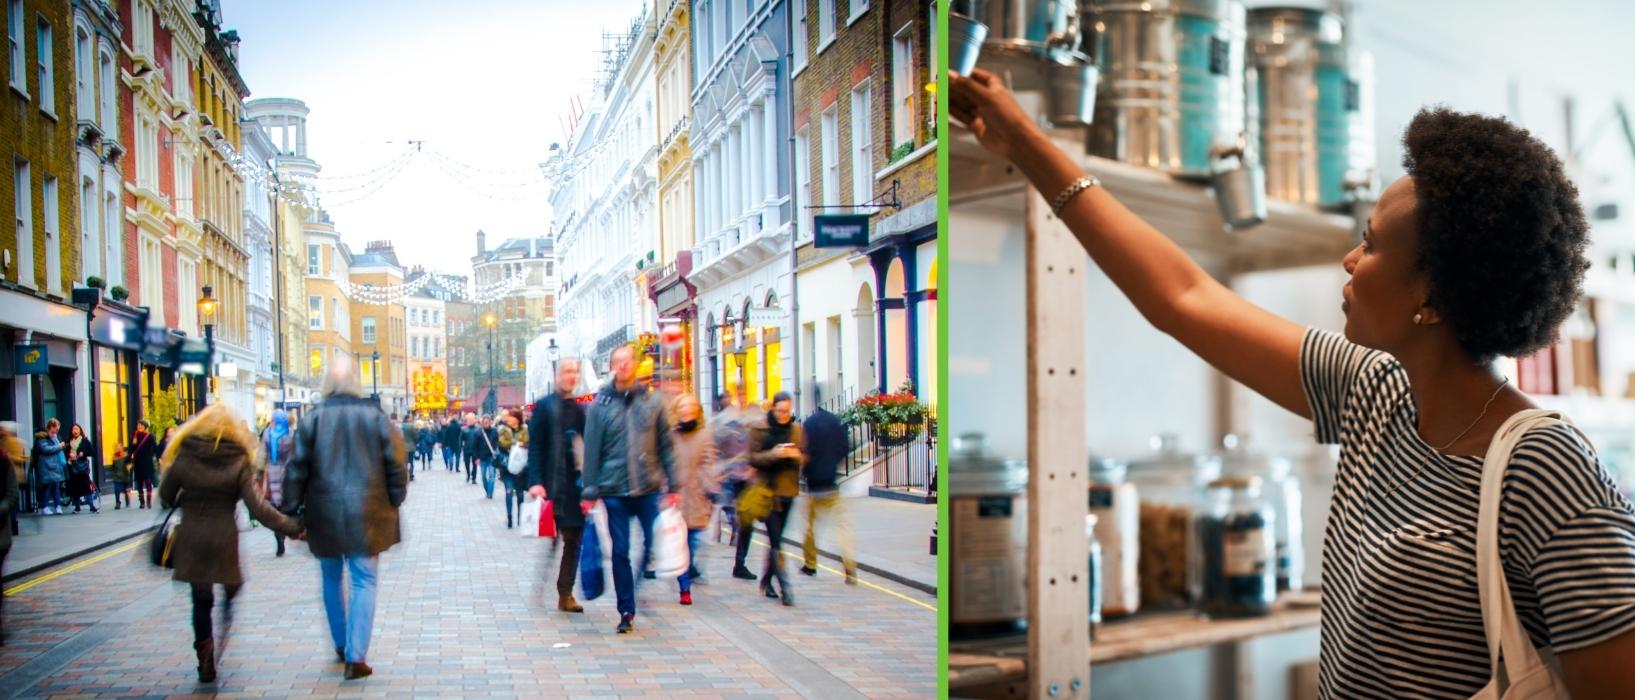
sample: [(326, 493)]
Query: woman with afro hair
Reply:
[(1477, 252)]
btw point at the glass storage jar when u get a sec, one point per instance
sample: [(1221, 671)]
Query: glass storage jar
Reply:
[(987, 541), (1237, 544), (1170, 483), (1117, 507), (1282, 490)]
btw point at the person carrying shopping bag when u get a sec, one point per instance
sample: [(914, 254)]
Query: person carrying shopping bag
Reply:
[(511, 434), (553, 472), (777, 453), (81, 486), (699, 479)]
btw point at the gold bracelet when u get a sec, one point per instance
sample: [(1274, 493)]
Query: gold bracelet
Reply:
[(1071, 191)]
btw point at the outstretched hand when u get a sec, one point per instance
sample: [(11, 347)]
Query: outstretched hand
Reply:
[(536, 491), (987, 107)]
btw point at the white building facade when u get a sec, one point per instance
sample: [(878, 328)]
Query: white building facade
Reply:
[(742, 206), (605, 200), (260, 292)]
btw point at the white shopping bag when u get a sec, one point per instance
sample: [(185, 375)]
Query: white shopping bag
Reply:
[(598, 520), (528, 518), (670, 544)]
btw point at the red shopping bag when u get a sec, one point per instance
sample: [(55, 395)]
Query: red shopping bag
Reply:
[(547, 519)]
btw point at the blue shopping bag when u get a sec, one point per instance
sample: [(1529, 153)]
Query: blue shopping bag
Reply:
[(592, 577)]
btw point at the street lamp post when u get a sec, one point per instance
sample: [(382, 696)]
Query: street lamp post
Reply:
[(374, 374), (551, 352), (493, 403), (207, 316)]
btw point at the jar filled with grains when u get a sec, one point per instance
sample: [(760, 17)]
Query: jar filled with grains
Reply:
[(1170, 483)]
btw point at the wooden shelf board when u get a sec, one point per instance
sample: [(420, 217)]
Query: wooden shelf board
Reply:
[(985, 662), (1293, 235)]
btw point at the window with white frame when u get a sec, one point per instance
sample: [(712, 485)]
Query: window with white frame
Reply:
[(48, 75), (147, 153), (187, 279), (312, 259), (153, 276), (315, 313), (113, 238), (862, 143), (858, 8), (829, 142), (369, 329), (84, 75), (90, 249), (337, 315), (107, 91), (24, 210), (14, 40), (803, 180), (826, 24), (180, 75), (143, 31), (53, 230), (183, 170), (903, 87), (801, 28)]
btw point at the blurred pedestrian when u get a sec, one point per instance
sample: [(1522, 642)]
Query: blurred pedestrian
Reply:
[(776, 453), (9, 494), (277, 450), (628, 461), (144, 453), (483, 452), (348, 480), (17, 456), (509, 433), (81, 488), (120, 473), (51, 467), (468, 433), (451, 444), (699, 480), (427, 432), (826, 447), (553, 471), (209, 468), (732, 423)]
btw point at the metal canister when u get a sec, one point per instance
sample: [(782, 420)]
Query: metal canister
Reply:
[(1137, 110), (1209, 38), (1288, 47), (1035, 27), (987, 541), (966, 33)]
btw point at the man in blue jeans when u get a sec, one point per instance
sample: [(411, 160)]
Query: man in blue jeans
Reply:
[(347, 480), (627, 465)]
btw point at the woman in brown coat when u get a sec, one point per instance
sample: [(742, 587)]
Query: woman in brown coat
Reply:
[(208, 470), (694, 446)]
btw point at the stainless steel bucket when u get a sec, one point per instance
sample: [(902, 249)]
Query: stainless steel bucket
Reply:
[(1137, 112), (965, 36), (1240, 187), (1071, 91), (1028, 26)]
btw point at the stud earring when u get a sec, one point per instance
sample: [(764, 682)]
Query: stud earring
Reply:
[(1418, 319)]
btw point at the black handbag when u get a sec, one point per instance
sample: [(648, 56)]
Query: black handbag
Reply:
[(164, 537)]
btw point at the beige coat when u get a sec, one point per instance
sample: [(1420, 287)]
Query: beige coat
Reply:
[(696, 474)]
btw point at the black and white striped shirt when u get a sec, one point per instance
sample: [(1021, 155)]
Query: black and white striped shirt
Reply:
[(1400, 615)]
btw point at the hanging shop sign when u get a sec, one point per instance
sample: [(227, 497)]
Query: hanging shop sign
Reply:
[(114, 325), (840, 230), (30, 359)]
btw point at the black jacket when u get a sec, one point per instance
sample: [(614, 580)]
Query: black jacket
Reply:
[(627, 445), (143, 451), (349, 475), (451, 435), (551, 463), (826, 445), (479, 448)]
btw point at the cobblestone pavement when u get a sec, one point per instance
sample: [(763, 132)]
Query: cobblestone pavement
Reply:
[(463, 612)]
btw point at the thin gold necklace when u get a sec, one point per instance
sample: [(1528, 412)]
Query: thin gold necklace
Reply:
[(1461, 434)]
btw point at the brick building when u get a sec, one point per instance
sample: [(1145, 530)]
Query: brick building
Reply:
[(865, 142)]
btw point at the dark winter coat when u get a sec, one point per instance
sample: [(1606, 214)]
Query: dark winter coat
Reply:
[(8, 499), (478, 447), (50, 458), (451, 435), (627, 445), (80, 463), (826, 447), (210, 476), (348, 478), (551, 462), (144, 454), (279, 468), (782, 474)]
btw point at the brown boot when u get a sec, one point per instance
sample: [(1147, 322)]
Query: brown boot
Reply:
[(566, 603), (206, 650), (358, 670)]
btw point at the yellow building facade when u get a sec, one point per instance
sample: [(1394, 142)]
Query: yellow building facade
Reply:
[(666, 286), (380, 327)]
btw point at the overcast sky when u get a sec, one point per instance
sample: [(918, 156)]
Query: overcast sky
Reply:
[(486, 88)]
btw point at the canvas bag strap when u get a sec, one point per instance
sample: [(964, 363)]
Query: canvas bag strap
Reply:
[(1499, 620)]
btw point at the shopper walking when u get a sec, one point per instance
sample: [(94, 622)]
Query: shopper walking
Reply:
[(277, 451), (628, 461), (348, 479), (17, 456), (553, 472), (144, 453), (427, 431), (483, 452), (451, 444), (51, 467), (776, 453), (826, 447), (699, 482), (468, 437), (81, 488), (1477, 252), (209, 468), (9, 495), (508, 434), (732, 452)]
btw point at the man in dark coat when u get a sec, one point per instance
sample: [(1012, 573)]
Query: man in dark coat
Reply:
[(553, 471), (628, 463), (349, 476), (826, 446), (483, 446), (467, 434), (451, 444)]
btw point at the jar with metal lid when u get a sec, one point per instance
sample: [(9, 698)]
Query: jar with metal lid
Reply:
[(1282, 491), (987, 541), (1117, 507), (1236, 542), (1096, 571), (1171, 485)]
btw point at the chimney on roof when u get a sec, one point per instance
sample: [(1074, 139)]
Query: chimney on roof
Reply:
[(482, 239)]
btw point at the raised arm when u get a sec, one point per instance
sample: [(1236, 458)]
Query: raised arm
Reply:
[(1175, 294)]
